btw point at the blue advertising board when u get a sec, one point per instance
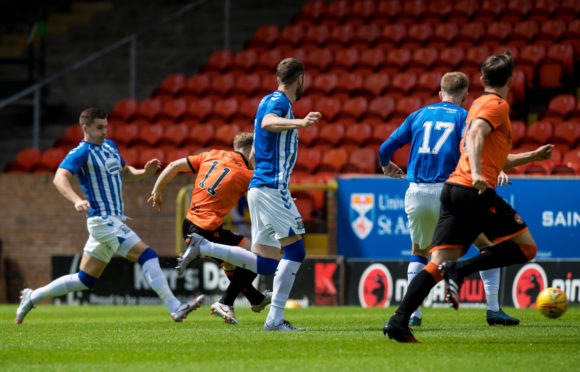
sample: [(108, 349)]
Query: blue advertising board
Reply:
[(372, 223)]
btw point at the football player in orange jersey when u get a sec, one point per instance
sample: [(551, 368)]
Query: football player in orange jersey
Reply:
[(223, 178), (469, 203)]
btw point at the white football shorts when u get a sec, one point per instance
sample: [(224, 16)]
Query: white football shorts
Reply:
[(273, 215), (422, 206), (109, 235)]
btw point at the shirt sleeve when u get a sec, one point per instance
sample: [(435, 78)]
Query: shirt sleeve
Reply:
[(495, 113), (278, 107), (112, 143), (403, 134), (194, 161), (75, 159)]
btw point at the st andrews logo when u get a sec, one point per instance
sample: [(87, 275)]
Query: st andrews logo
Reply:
[(362, 214)]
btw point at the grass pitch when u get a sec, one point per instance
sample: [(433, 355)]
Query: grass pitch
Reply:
[(143, 338)]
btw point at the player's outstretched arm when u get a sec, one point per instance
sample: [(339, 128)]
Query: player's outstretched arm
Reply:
[(164, 178), (474, 146), (541, 153), (62, 182), (131, 173), (275, 123)]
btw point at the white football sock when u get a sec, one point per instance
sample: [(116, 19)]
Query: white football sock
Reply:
[(413, 269), (159, 284), (283, 282), (58, 287), (237, 256), (490, 280)]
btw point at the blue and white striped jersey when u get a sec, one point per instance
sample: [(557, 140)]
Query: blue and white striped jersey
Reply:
[(435, 132), (275, 152), (99, 171)]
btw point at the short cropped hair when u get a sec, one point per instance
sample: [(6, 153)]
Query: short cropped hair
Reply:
[(243, 141), (89, 115), (454, 83), (288, 70), (497, 69)]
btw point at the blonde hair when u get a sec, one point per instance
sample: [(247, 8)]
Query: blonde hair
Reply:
[(243, 141), (454, 84)]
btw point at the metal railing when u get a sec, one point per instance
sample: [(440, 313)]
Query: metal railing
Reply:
[(36, 89)]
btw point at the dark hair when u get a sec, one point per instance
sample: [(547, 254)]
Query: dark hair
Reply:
[(497, 69), (288, 70), (89, 115), (243, 141)]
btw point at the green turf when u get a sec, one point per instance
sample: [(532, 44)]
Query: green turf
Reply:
[(143, 338)]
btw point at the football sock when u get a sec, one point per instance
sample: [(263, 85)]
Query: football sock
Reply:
[(58, 287), (283, 282), (156, 279), (499, 255), (490, 280), (416, 264), (418, 290), (241, 282), (235, 255)]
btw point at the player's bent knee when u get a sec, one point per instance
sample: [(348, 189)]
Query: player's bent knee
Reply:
[(88, 280), (147, 254), (529, 250), (266, 266), (295, 251)]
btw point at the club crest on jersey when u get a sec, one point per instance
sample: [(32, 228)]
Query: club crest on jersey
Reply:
[(113, 166), (362, 214), (299, 223)]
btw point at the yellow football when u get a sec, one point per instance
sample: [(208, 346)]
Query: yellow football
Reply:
[(552, 302)]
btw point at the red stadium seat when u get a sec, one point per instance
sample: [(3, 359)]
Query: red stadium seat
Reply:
[(489, 11), (73, 135), (124, 109), (310, 13), (444, 35), (352, 110), (173, 110), (380, 134), (344, 60), (322, 85), (200, 135), (244, 61), (380, 109), (264, 37), (529, 60), (129, 155), (475, 56), (500, 49), (363, 160), (340, 37), (318, 196), (149, 136), (497, 34), (224, 136), (335, 13), (401, 156), (50, 160), (437, 11), (308, 159), (412, 11), (196, 86), (333, 161), (246, 85), (318, 60), (407, 105), (376, 84), (176, 154), (428, 85), (329, 137), (268, 60), (370, 60), (516, 10), (519, 85), (175, 135), (356, 136), (568, 10), (559, 108), (302, 107), (422, 60), (567, 132), (149, 110), (523, 33), (309, 135), (25, 161), (146, 155), (219, 61), (537, 169), (365, 36), (316, 37), (221, 86), (125, 135), (328, 107), (347, 84), (386, 12), (518, 132), (247, 109), (573, 36), (396, 61), (539, 133), (559, 62), (463, 11), (170, 87), (551, 32), (361, 13), (572, 160), (392, 36), (199, 109), (402, 84), (470, 35), (418, 36), (449, 59), (542, 10), (225, 109), (290, 37)]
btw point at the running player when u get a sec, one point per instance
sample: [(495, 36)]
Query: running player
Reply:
[(435, 132), (101, 170), (469, 203), (223, 178), (276, 222)]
